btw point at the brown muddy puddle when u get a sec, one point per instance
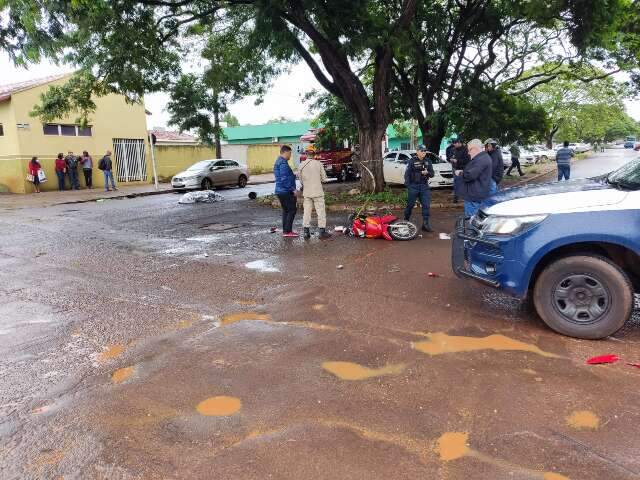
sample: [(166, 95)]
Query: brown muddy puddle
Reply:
[(440, 343), (112, 351), (583, 420), (353, 371), (231, 318), (454, 445), (221, 406), (121, 374)]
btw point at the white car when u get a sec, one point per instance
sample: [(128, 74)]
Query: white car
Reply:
[(543, 154), (527, 157), (395, 164), (211, 173)]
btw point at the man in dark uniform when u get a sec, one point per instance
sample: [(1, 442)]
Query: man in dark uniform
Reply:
[(460, 157), (495, 153), (416, 178)]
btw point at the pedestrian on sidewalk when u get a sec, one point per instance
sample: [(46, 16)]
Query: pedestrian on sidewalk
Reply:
[(458, 161), (495, 152), (416, 178), (286, 190), (106, 165), (515, 160), (34, 172), (312, 175), (72, 169), (61, 171), (87, 169), (563, 158), (475, 186)]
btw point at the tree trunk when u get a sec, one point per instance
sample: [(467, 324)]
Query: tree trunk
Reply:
[(432, 134), (550, 135), (372, 176), (218, 131)]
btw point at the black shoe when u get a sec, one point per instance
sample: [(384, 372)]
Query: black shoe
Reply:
[(427, 228), (323, 234), (307, 233)]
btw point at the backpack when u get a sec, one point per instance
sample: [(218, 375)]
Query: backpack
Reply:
[(102, 165)]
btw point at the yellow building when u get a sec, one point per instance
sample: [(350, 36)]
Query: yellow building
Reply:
[(115, 125)]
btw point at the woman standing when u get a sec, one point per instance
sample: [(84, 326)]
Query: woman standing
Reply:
[(34, 170), (61, 171), (87, 168)]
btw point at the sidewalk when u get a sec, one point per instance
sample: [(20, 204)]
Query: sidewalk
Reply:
[(47, 199)]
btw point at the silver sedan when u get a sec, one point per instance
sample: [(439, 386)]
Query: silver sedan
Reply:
[(211, 173)]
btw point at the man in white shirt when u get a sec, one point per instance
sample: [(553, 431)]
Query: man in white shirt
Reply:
[(312, 175)]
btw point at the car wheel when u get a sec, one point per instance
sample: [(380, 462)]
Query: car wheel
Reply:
[(584, 296), (242, 181), (544, 158), (343, 175), (206, 184)]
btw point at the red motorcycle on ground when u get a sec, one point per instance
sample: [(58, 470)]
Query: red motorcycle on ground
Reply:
[(387, 226)]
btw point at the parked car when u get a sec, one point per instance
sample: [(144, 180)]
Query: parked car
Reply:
[(506, 157), (207, 174), (395, 164), (572, 247), (543, 154)]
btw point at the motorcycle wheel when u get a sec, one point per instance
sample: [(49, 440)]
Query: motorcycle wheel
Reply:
[(403, 230)]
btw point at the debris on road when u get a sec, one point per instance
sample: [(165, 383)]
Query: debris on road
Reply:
[(394, 268), (445, 236), (273, 230), (253, 195), (603, 359), (200, 197), (637, 365), (340, 267), (432, 275), (339, 229)]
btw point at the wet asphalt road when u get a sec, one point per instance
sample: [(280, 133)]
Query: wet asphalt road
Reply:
[(144, 339)]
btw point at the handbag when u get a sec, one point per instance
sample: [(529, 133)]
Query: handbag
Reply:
[(29, 178), (42, 176)]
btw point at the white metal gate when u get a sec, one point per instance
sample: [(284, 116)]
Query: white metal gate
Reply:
[(131, 165)]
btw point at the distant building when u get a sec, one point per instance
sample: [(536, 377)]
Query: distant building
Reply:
[(115, 125)]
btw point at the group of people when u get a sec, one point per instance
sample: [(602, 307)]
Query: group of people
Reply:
[(68, 167), (478, 171)]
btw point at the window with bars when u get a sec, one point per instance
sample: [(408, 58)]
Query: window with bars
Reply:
[(66, 130), (1, 130)]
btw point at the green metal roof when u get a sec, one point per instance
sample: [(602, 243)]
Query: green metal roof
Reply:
[(269, 130)]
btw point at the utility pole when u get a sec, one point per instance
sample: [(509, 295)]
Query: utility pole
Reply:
[(153, 159)]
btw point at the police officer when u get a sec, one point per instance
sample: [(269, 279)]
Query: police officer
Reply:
[(416, 178)]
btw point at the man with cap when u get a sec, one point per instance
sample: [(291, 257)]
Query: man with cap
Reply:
[(416, 178), (497, 163)]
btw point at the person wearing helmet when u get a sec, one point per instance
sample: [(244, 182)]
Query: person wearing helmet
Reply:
[(492, 148), (416, 178)]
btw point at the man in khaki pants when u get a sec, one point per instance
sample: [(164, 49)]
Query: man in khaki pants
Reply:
[(312, 175)]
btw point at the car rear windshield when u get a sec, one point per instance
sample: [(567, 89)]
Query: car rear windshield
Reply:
[(200, 165), (627, 176)]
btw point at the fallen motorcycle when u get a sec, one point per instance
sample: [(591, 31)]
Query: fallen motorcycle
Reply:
[(388, 227)]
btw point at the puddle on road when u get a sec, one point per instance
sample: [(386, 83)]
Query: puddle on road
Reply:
[(318, 307), (262, 266), (184, 324), (440, 343), (583, 420), (231, 318), (111, 352), (221, 406), (353, 371), (121, 374), (452, 445)]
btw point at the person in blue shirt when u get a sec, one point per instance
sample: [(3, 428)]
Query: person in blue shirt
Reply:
[(286, 190), (563, 158)]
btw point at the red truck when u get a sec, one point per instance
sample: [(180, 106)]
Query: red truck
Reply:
[(338, 162)]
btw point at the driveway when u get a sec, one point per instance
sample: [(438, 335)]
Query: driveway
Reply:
[(146, 339)]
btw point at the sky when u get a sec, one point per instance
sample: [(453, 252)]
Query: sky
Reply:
[(283, 99)]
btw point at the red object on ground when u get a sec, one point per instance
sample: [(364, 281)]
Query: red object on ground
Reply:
[(602, 359), (432, 275), (637, 365)]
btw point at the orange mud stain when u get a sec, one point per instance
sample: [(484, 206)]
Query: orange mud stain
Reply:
[(121, 374), (452, 445), (440, 343), (353, 371), (111, 352), (48, 458), (231, 318), (553, 476), (219, 406), (311, 325), (184, 324), (583, 419), (318, 307)]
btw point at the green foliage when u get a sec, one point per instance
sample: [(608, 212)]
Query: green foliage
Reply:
[(386, 197), (280, 119), (230, 120), (493, 113), (334, 118)]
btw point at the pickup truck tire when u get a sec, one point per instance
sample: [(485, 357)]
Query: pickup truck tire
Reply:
[(584, 296)]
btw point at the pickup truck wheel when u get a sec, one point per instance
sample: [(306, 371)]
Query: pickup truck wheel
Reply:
[(584, 296)]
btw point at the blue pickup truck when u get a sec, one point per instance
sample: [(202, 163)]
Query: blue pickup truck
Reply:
[(571, 247)]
